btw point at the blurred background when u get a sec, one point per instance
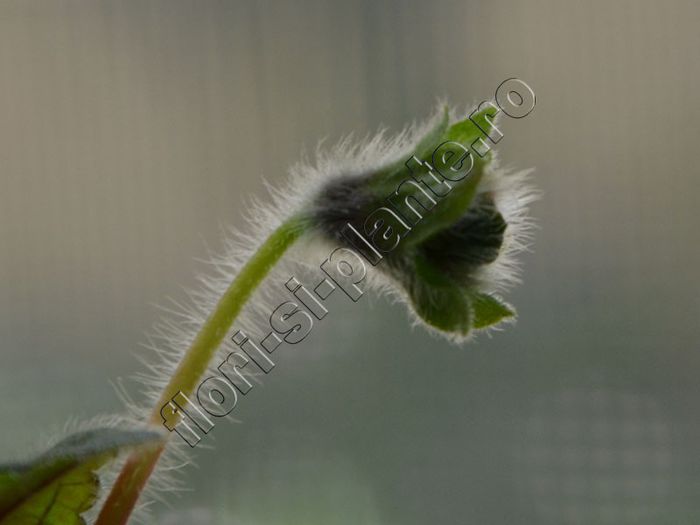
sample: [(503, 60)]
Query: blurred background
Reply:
[(130, 131)]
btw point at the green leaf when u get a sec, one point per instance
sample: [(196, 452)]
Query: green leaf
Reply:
[(61, 484), (489, 310)]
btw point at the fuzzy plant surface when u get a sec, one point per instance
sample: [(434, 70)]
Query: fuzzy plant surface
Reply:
[(441, 223)]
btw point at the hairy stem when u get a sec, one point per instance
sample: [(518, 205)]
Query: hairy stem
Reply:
[(139, 466)]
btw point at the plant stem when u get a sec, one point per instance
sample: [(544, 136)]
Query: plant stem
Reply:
[(139, 466)]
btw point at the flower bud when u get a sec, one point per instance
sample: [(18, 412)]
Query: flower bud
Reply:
[(442, 220)]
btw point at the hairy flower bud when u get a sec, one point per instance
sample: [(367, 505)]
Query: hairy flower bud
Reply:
[(441, 219)]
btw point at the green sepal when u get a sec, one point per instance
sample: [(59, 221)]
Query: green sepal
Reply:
[(489, 310)]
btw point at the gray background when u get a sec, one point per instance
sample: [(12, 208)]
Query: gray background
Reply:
[(130, 131)]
